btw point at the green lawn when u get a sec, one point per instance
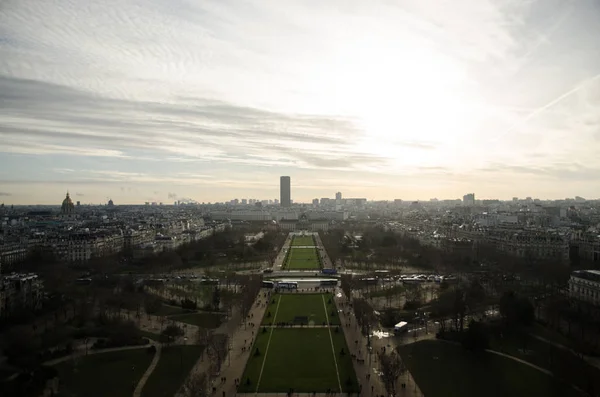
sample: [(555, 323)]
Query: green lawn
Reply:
[(168, 310), (104, 374), (301, 359), (204, 320), (303, 241), (149, 335), (442, 369), (173, 367), (558, 361), (302, 259), (301, 305)]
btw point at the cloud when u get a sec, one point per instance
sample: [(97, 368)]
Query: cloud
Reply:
[(172, 196), (203, 93), (35, 112), (5, 194), (79, 194)]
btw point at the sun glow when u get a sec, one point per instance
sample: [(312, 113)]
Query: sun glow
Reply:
[(405, 96)]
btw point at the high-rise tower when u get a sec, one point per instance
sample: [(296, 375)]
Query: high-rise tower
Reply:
[(285, 191)]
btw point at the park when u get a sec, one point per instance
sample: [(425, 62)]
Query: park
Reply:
[(302, 259), (300, 348), (303, 241)]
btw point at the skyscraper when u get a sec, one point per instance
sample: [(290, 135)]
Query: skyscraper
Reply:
[(285, 191), (338, 196)]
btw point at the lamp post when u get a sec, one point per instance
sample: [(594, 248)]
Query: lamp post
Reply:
[(181, 354)]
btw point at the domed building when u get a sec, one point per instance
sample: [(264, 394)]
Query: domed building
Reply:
[(67, 207)]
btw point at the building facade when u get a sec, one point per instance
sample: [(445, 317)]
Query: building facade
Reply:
[(285, 191), (584, 285), (20, 292)]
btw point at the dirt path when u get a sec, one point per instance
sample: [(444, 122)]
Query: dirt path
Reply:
[(140, 386)]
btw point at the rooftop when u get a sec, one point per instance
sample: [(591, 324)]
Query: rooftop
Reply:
[(591, 275)]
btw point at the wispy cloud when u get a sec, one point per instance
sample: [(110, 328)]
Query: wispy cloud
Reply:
[(369, 94), (5, 194)]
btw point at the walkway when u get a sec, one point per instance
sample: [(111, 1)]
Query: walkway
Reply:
[(90, 352), (144, 379), (590, 360), (240, 336), (367, 371)]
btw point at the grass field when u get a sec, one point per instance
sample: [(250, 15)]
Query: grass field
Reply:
[(446, 370), (104, 374), (168, 310), (302, 259), (173, 367), (288, 306), (558, 361), (303, 241), (301, 359)]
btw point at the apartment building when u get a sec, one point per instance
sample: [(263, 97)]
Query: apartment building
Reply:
[(20, 291), (584, 285), (11, 253)]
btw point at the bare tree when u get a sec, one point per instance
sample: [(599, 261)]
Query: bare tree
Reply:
[(203, 336), (391, 368), (217, 348), (196, 385), (346, 285), (251, 286)]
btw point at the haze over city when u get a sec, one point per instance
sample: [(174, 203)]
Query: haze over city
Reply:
[(165, 100)]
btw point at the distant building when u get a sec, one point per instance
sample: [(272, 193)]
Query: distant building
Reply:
[(67, 207), (285, 191), (469, 199), (584, 285), (338, 196)]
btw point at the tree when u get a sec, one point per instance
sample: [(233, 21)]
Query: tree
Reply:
[(170, 333), (476, 338), (391, 368), (516, 310), (203, 336), (196, 385), (216, 299), (217, 348), (346, 285), (152, 305), (22, 346)]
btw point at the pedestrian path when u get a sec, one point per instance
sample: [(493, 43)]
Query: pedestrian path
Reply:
[(90, 352), (366, 364), (240, 341), (140, 386)]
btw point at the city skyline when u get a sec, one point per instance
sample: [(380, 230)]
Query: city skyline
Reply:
[(160, 101)]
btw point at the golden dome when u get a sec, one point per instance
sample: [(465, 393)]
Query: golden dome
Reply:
[(67, 205)]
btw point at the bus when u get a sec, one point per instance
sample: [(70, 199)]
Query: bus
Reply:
[(329, 282), (329, 271), (268, 284), (209, 281), (287, 285), (370, 280)]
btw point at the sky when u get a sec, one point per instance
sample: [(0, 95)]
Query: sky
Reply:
[(164, 100)]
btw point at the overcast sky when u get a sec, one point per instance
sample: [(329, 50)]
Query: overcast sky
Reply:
[(158, 100)]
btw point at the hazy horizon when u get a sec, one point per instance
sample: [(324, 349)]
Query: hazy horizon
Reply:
[(166, 100)]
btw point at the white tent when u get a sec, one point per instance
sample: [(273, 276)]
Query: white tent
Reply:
[(401, 326)]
